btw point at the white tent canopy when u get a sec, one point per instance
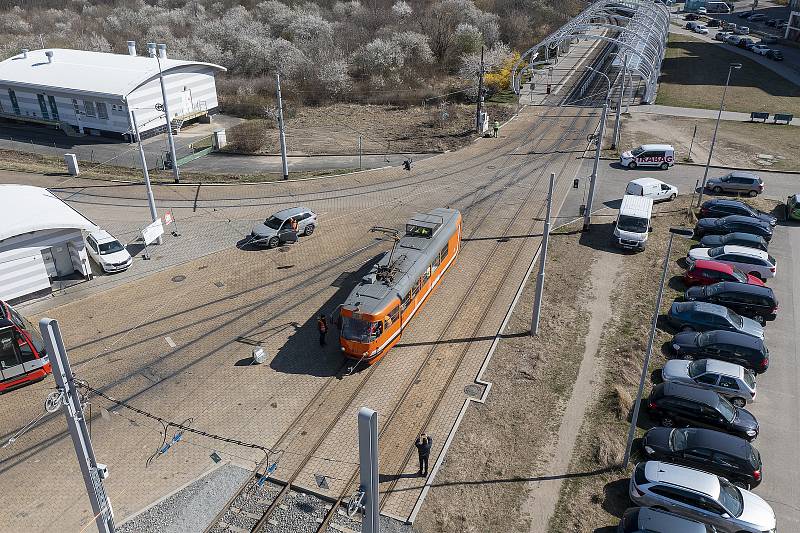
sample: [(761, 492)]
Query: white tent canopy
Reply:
[(25, 209)]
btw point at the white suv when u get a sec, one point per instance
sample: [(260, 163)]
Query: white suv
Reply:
[(701, 496), (750, 260), (108, 252)]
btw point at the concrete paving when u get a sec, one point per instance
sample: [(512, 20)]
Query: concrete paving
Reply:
[(691, 112)]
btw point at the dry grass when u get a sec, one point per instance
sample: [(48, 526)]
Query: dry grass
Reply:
[(693, 75), (499, 446)]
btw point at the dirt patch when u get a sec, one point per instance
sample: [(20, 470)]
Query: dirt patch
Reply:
[(501, 446), (739, 144), (383, 129)]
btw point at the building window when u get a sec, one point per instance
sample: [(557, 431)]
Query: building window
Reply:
[(1, 107), (102, 110), (88, 107), (43, 106), (13, 96), (53, 107)]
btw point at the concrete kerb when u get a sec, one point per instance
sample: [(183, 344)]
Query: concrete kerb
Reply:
[(718, 167)]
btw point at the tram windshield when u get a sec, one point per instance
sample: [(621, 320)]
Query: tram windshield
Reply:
[(357, 330), (32, 331)]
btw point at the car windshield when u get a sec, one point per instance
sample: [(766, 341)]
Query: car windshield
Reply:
[(740, 276), (726, 409), (730, 497), (635, 152), (678, 439), (749, 378), (697, 367), (632, 224), (771, 259), (355, 329), (273, 222), (714, 252), (110, 247), (735, 319), (725, 178)]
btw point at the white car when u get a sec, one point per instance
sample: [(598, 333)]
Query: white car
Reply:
[(652, 188), (733, 381), (760, 49), (108, 252), (700, 29), (742, 30), (702, 11), (733, 39), (750, 260), (722, 35)]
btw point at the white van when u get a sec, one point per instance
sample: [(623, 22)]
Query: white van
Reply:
[(654, 189), (633, 222), (649, 155)]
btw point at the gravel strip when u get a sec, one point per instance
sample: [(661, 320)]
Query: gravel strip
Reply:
[(191, 508)]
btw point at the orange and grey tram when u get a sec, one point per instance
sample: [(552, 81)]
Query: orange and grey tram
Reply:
[(377, 310)]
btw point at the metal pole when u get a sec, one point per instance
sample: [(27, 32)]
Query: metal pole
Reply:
[(359, 151), (691, 144), (480, 96), (716, 127), (281, 129), (151, 202), (615, 140), (368, 459), (170, 139), (76, 422), (587, 218), (537, 305), (648, 354)]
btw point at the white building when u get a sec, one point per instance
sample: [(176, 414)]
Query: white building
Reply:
[(41, 240), (95, 92)]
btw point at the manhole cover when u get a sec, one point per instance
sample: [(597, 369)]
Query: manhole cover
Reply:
[(473, 391), (178, 278)]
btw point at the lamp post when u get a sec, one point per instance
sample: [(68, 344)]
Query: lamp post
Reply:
[(162, 50), (682, 232), (731, 68), (150, 200), (599, 146)]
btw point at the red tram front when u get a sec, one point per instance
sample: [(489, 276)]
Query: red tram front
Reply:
[(23, 358)]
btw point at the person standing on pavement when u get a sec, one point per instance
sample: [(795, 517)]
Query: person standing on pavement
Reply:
[(496, 126), (322, 327), (423, 444)]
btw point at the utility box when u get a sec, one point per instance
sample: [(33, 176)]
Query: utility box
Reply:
[(72, 164), (483, 124), (220, 140)]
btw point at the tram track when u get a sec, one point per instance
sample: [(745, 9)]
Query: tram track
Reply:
[(260, 524)]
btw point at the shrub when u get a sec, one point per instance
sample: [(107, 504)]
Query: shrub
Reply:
[(248, 137)]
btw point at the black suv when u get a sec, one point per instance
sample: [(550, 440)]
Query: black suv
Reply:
[(726, 455), (721, 207), (740, 348), (753, 301), (675, 404), (731, 224)]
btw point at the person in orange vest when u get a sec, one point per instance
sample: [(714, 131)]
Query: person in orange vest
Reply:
[(322, 327)]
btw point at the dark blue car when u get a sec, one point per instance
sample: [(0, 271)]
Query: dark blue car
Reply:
[(736, 239), (702, 316)]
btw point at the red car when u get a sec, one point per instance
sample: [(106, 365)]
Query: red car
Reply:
[(705, 272)]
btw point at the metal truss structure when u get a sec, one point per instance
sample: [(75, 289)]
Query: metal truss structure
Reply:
[(638, 29)]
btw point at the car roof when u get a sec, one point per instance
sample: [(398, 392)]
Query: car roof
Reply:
[(724, 442), (740, 235), (745, 250), (703, 307), (689, 392), (742, 173), (682, 476), (646, 181), (724, 201), (101, 236), (657, 147), (744, 218), (656, 520), (721, 336), (712, 265), (724, 368), (746, 288), (290, 212), (637, 206)]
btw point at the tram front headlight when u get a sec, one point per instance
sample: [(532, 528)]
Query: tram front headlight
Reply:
[(341, 348)]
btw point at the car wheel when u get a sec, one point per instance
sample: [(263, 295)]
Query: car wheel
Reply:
[(753, 194), (632, 165), (664, 166), (717, 190), (273, 242), (667, 422), (738, 402), (309, 230), (672, 196)]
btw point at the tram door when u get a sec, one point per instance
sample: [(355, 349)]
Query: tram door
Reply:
[(10, 361)]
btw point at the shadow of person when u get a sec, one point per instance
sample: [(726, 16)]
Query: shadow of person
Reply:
[(302, 352)]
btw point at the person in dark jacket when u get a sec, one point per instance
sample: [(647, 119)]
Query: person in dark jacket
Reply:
[(322, 327), (423, 444)]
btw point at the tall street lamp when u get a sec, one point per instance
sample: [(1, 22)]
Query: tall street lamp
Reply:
[(162, 53), (731, 68), (682, 232), (588, 211)]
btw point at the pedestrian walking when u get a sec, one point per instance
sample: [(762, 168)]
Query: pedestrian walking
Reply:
[(423, 444), (496, 126), (322, 327)]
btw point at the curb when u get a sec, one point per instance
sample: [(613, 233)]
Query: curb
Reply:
[(684, 163), (324, 154)]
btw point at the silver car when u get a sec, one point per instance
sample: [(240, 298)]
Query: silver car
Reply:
[(733, 381), (700, 496), (277, 229), (738, 182)]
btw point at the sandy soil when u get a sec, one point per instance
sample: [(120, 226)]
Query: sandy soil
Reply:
[(739, 144), (503, 447), (383, 129)]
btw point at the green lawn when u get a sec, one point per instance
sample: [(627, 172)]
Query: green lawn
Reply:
[(693, 75)]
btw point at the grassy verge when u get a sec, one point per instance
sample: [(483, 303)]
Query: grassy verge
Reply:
[(693, 75), (54, 166)]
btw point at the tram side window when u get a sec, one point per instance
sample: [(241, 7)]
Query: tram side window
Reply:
[(425, 276), (436, 262), (406, 302), (443, 253), (8, 355), (393, 315)]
